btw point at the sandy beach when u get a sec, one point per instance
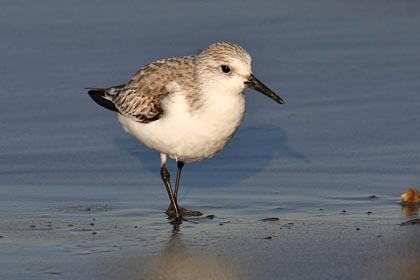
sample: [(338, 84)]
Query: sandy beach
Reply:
[(96, 244), (309, 190)]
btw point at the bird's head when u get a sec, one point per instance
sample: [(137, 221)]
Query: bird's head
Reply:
[(226, 67)]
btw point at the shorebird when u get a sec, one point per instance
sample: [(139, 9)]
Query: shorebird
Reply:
[(186, 108)]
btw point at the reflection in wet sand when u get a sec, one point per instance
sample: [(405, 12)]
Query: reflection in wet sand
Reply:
[(176, 262), (410, 209)]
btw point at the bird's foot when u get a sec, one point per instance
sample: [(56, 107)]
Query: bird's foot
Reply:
[(182, 211)]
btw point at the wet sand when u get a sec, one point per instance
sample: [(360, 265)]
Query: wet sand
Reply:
[(97, 243)]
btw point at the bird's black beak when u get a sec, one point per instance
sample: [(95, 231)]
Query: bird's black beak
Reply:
[(254, 83)]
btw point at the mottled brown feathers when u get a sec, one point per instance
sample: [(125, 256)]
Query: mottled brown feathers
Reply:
[(141, 97), (225, 51)]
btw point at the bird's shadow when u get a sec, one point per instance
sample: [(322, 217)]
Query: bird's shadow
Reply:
[(251, 150)]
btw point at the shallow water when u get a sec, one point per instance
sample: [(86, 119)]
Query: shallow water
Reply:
[(348, 72)]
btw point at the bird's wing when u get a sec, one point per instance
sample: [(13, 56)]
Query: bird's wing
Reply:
[(141, 98)]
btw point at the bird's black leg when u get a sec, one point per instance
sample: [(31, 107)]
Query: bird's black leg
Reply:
[(180, 164), (184, 212), (164, 173)]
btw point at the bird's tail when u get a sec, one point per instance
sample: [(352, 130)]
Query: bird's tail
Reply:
[(104, 96)]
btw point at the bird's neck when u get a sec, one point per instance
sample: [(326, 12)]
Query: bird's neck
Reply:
[(216, 103)]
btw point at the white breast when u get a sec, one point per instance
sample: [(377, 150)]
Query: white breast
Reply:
[(191, 136)]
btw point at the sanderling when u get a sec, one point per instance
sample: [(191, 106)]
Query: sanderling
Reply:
[(187, 107)]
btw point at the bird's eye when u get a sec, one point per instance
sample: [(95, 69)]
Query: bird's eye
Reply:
[(225, 68)]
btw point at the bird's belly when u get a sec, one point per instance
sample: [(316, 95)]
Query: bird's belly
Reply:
[(187, 137)]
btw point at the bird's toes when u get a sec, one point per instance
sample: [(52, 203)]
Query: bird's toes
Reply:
[(182, 211)]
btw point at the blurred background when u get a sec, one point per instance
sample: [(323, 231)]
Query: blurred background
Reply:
[(349, 73)]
